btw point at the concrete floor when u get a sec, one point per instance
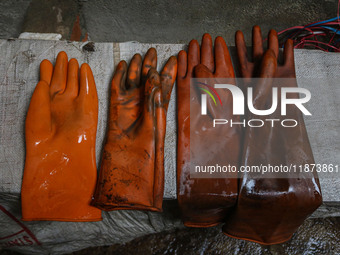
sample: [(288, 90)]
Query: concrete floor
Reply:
[(315, 236)]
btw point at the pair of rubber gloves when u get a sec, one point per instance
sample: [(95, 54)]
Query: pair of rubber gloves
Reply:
[(60, 169), (263, 210)]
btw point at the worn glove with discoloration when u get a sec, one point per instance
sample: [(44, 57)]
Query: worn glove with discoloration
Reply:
[(271, 208), (61, 124), (205, 202), (132, 168), (252, 68)]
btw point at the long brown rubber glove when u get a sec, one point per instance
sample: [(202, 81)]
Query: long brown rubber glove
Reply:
[(252, 69), (61, 124), (269, 210), (204, 202), (132, 169)]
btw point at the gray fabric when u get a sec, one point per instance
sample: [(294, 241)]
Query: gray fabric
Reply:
[(319, 73), (20, 72), (19, 69)]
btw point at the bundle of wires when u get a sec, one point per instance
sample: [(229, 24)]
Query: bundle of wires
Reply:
[(323, 35)]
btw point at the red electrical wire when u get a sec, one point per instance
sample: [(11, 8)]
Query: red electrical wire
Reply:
[(323, 35)]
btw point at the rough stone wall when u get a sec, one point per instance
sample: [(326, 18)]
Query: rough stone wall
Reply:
[(12, 15), (154, 21)]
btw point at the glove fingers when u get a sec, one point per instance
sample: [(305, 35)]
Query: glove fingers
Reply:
[(205, 87), (134, 72), (268, 65), (241, 49), (193, 57), (129, 106), (215, 98), (168, 77), (263, 88), (59, 77), (273, 42), (152, 83), (207, 55), (118, 80), (189, 93), (160, 113), (182, 65), (224, 67), (150, 61), (117, 90), (38, 118), (72, 86), (87, 87), (159, 157), (288, 54), (257, 44), (46, 70), (182, 89)]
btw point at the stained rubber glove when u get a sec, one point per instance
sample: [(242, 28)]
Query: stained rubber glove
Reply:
[(269, 210), (251, 69), (61, 124), (204, 202), (132, 169)]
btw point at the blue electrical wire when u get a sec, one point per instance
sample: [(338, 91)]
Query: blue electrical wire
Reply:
[(332, 29), (322, 22)]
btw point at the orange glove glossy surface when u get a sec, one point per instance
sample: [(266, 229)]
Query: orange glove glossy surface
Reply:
[(132, 169), (205, 202), (61, 125), (269, 210)]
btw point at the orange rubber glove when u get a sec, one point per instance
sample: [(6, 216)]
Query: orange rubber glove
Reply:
[(61, 124), (269, 210), (132, 169), (205, 202)]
